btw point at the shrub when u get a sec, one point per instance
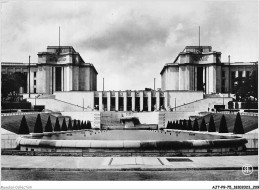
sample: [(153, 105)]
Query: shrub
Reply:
[(189, 127), (168, 125), (223, 125), (48, 126), (180, 125), (23, 129), (38, 125), (203, 126), (57, 125), (78, 125), (184, 125), (177, 125), (75, 125), (212, 127), (195, 125), (64, 125), (238, 127), (173, 125), (89, 125), (70, 125), (82, 125)]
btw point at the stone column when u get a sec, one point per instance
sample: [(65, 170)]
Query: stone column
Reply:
[(62, 77), (108, 100), (100, 101), (166, 100), (141, 101), (158, 100), (117, 101), (244, 72), (125, 100), (149, 101), (133, 100)]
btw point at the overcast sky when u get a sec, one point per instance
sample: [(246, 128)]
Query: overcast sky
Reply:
[(129, 41)]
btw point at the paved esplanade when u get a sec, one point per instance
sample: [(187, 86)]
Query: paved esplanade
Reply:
[(119, 163)]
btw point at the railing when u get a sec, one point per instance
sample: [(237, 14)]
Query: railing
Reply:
[(21, 113), (241, 113)]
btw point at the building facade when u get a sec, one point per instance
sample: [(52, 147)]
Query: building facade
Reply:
[(68, 81), (198, 68), (60, 68)]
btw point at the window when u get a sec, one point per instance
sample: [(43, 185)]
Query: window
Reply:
[(34, 90), (247, 74), (223, 74), (240, 74), (34, 82), (34, 74)]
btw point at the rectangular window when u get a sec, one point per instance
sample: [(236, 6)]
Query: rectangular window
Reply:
[(34, 90), (34, 74), (223, 74), (247, 74), (34, 82), (240, 73)]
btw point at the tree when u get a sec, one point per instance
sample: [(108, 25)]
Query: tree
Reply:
[(168, 125), (195, 125), (23, 129), (57, 125), (11, 84), (78, 125), (203, 125), (85, 125), (89, 125), (189, 127), (246, 88), (48, 126), (177, 125), (70, 125), (173, 124), (238, 127), (184, 125), (64, 125), (223, 125), (212, 127), (75, 126), (38, 125), (82, 125)]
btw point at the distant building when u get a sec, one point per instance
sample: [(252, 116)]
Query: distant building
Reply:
[(62, 74), (198, 68), (58, 69)]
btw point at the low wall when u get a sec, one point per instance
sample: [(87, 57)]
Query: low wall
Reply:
[(8, 141), (54, 105), (110, 118), (131, 144), (93, 117), (164, 117)]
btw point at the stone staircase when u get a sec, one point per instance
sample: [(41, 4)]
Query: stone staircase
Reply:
[(203, 104)]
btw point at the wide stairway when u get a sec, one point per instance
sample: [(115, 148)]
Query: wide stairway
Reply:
[(203, 104)]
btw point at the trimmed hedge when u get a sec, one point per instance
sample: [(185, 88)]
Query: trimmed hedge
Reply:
[(57, 125), (212, 127), (64, 125), (203, 126), (23, 129), (195, 125), (70, 125), (48, 126), (38, 125), (238, 126), (223, 125)]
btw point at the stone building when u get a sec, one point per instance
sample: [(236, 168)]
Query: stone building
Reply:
[(198, 68), (65, 82), (58, 69)]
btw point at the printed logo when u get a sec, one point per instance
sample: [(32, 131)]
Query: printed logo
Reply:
[(247, 169)]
